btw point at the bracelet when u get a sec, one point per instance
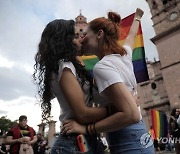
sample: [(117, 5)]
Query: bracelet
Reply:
[(91, 129), (137, 19), (94, 128)]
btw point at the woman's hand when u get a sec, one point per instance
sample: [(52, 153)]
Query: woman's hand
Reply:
[(139, 13), (71, 126)]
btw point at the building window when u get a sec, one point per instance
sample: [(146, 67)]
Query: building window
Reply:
[(164, 1), (154, 6), (153, 86)]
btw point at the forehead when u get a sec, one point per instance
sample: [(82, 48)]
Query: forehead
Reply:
[(24, 120)]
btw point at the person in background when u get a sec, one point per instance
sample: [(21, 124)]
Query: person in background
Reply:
[(154, 138), (174, 126), (40, 145), (3, 149), (20, 135), (104, 141)]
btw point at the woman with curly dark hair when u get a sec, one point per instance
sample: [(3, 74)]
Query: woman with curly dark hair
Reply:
[(58, 73)]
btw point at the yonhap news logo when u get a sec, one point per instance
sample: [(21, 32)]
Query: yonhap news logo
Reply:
[(146, 140), (166, 140)]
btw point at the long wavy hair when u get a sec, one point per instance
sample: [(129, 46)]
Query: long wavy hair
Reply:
[(55, 46)]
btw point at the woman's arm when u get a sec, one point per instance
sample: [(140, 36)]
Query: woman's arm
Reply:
[(134, 28), (127, 112), (75, 98)]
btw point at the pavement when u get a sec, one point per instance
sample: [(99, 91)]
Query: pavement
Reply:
[(159, 152), (165, 152)]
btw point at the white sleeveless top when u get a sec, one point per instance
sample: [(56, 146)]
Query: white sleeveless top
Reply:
[(66, 111)]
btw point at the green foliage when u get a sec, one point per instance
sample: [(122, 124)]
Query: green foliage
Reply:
[(5, 124)]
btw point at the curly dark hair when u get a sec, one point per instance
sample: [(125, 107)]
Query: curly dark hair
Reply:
[(55, 46)]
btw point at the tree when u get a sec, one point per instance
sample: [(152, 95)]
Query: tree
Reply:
[(5, 124)]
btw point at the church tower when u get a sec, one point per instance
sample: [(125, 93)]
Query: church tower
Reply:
[(166, 23), (81, 22)]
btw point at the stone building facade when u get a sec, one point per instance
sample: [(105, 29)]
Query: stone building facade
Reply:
[(153, 93), (166, 19), (162, 92)]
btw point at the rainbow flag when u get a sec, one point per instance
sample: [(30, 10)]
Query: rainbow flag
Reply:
[(89, 62), (138, 58), (159, 123)]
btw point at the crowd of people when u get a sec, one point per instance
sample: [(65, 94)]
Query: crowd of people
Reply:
[(22, 139)]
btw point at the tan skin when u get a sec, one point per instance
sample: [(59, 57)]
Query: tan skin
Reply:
[(10, 140), (120, 98)]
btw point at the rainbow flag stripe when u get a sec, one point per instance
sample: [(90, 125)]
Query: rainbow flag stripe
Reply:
[(89, 62), (159, 123), (138, 57)]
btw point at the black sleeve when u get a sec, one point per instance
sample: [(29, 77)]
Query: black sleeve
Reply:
[(34, 132)]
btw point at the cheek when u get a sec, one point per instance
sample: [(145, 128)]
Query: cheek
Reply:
[(93, 42), (76, 43), (90, 41)]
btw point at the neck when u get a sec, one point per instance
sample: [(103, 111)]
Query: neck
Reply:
[(80, 60), (99, 53)]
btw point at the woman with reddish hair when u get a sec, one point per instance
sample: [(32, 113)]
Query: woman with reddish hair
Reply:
[(115, 79)]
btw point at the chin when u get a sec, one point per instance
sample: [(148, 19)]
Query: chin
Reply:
[(79, 53), (88, 50), (88, 53)]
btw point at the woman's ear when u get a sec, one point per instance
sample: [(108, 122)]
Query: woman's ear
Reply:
[(100, 34)]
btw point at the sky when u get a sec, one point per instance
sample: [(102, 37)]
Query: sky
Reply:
[(21, 25)]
